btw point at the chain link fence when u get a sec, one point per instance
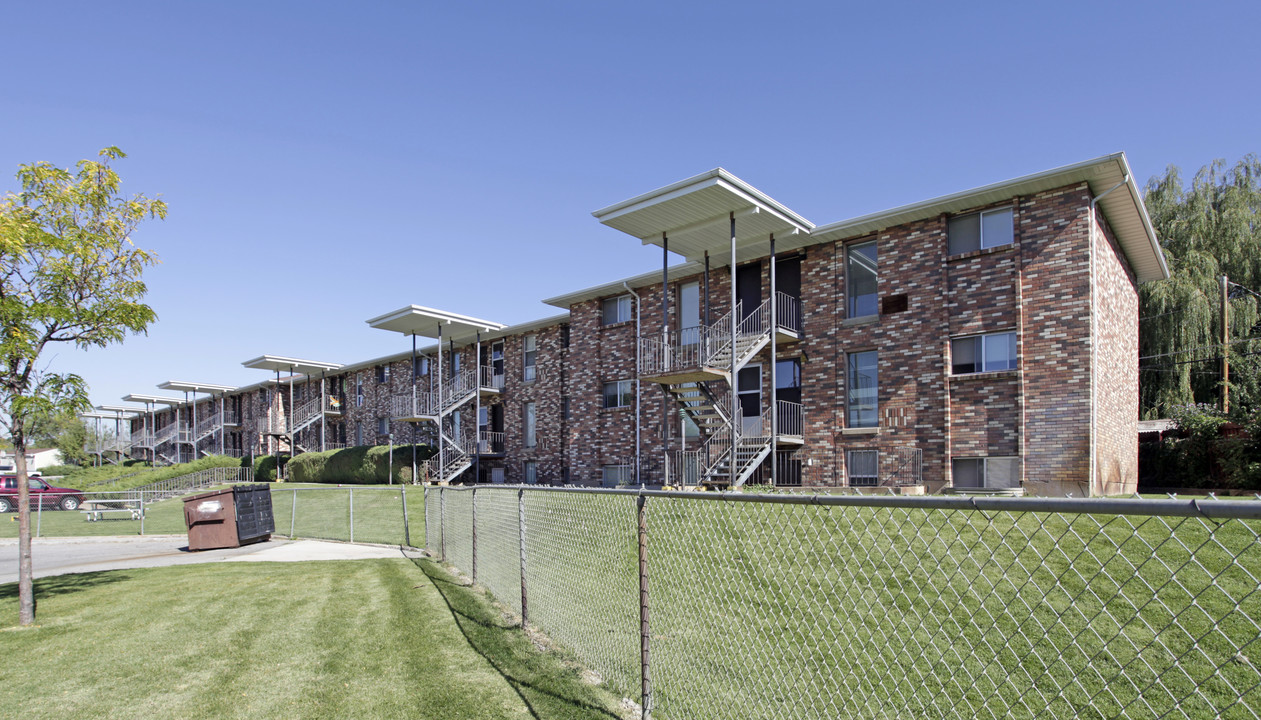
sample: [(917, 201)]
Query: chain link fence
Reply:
[(706, 605)]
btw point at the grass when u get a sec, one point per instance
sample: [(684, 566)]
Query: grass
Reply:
[(135, 473), (322, 512), (346, 639), (797, 611)]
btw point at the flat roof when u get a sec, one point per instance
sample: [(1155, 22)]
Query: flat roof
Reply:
[(182, 386), (120, 409), (158, 399), (293, 365), (430, 323), (695, 216)]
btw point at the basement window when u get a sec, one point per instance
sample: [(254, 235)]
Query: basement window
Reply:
[(980, 231), (862, 468), (986, 472), (615, 475), (983, 353)]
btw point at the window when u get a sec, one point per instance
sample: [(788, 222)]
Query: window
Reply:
[(358, 393), (620, 393), (616, 310), (383, 426), (689, 313), (530, 357), (383, 373), (497, 363), (528, 418), (982, 230), (455, 364), (983, 353), (420, 365), (863, 390), (564, 336), (860, 279), (564, 408), (862, 468), (986, 472), (614, 475), (530, 469)]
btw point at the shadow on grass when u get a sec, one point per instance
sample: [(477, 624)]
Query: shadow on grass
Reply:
[(500, 645), (65, 584)]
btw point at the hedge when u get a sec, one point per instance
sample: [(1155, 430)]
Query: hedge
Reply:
[(362, 465)]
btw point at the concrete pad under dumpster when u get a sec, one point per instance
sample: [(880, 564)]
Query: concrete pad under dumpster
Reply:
[(231, 517)]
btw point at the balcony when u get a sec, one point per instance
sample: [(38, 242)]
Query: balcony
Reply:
[(490, 443), (421, 405)]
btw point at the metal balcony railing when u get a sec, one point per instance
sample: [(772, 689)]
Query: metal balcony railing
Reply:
[(789, 418), (490, 443)]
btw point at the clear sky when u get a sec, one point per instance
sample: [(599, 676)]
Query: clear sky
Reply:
[(328, 162)]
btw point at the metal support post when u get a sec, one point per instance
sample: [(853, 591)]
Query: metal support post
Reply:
[(323, 407), (774, 372), (474, 491), (1225, 284), (525, 603), (407, 531), (645, 628), (477, 430), (293, 512), (39, 517), (442, 520), (352, 514), (442, 453), (735, 381)]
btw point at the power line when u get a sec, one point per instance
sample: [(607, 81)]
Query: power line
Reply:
[(1199, 347)]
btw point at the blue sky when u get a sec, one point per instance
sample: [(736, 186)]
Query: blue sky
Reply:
[(328, 162)]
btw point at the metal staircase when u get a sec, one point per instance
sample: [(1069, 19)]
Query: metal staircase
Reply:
[(455, 459), (695, 369), (452, 394)]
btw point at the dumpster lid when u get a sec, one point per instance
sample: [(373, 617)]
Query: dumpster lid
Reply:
[(212, 493)]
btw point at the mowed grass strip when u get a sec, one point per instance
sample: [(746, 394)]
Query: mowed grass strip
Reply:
[(346, 639), (320, 511)]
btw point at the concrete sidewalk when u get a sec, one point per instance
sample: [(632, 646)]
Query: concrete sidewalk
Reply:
[(59, 556)]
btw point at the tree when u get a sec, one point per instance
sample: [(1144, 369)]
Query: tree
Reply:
[(68, 274), (1211, 229)]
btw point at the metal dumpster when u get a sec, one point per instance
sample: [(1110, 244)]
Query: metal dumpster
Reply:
[(231, 517)]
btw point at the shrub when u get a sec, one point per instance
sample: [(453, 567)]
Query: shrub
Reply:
[(362, 465), (59, 470)]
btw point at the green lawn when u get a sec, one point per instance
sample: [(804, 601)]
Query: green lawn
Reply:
[(321, 512), (347, 639), (804, 612)]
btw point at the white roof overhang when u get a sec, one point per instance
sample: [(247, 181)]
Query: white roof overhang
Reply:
[(695, 216), (278, 363), (431, 323), (121, 410), (153, 399), (1123, 208), (180, 386)]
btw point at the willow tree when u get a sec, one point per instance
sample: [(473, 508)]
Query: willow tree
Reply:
[(69, 274), (1210, 229)]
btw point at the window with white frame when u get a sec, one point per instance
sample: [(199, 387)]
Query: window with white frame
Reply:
[(620, 393), (862, 390), (383, 426), (530, 469), (420, 365), (861, 279), (979, 231), (530, 357), (862, 468), (983, 353), (614, 475), (528, 419), (616, 310), (986, 472), (358, 392)]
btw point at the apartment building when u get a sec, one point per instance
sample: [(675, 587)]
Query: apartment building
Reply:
[(982, 341)]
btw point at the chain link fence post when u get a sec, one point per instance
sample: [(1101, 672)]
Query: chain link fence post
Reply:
[(426, 493), (474, 514), (352, 514), (407, 531), (442, 517), (525, 605), (39, 516), (645, 629), (293, 512)]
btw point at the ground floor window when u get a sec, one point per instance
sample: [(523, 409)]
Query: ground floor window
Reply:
[(986, 472), (530, 469), (614, 475), (862, 468)]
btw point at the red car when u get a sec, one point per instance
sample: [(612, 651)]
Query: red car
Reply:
[(42, 494)]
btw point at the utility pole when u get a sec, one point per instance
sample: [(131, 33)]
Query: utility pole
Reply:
[(1225, 284)]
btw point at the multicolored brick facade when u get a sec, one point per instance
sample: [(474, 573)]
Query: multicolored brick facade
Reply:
[(1064, 285)]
